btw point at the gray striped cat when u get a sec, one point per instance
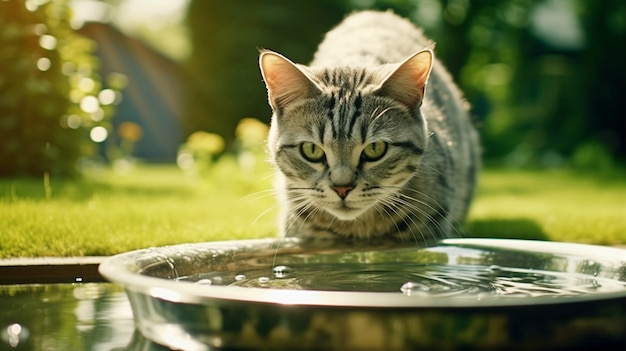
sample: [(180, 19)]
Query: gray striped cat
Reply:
[(372, 140)]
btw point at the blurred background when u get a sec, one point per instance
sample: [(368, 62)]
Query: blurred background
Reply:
[(88, 82)]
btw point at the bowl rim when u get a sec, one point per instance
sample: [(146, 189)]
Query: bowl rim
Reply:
[(115, 269)]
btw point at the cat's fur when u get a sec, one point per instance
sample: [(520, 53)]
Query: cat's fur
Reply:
[(373, 79)]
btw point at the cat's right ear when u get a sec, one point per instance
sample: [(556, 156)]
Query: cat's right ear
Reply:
[(285, 82), (408, 82)]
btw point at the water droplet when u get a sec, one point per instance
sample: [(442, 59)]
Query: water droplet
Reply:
[(14, 334), (168, 260), (281, 271), (204, 282), (412, 288), (240, 277), (473, 290)]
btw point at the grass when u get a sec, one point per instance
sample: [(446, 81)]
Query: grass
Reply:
[(557, 205), (149, 206), (108, 213)]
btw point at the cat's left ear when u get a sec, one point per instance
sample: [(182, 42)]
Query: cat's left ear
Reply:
[(407, 83), (284, 80)]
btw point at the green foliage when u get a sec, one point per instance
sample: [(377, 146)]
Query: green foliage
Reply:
[(536, 96), (223, 79), (51, 98), (542, 75)]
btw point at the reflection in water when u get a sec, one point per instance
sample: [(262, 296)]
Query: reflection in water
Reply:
[(90, 316), (443, 271), (416, 280)]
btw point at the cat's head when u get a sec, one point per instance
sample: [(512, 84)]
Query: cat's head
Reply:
[(346, 139)]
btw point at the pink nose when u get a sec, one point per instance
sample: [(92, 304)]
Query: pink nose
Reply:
[(343, 191)]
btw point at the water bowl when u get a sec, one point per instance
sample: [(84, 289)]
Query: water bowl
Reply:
[(470, 294)]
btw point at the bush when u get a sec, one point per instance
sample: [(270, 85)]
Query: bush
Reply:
[(52, 106)]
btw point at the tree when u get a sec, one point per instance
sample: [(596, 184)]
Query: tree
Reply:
[(49, 90)]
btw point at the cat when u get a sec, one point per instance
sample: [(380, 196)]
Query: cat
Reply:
[(371, 140)]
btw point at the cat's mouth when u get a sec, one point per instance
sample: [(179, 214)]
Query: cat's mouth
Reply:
[(344, 212)]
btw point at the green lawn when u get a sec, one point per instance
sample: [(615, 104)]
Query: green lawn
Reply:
[(551, 205), (108, 213)]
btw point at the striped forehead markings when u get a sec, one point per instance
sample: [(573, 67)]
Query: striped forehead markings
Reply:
[(358, 101), (343, 115), (343, 106)]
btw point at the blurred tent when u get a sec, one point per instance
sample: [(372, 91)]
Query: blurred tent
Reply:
[(152, 97)]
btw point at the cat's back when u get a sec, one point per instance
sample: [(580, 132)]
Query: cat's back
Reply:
[(369, 38)]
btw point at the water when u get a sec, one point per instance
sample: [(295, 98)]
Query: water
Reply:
[(414, 279), (88, 316)]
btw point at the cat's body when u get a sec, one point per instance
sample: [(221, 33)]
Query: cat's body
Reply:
[(360, 150)]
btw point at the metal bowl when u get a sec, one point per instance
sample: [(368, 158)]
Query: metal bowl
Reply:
[(174, 311)]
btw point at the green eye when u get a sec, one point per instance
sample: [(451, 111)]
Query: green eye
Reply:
[(374, 151), (311, 152)]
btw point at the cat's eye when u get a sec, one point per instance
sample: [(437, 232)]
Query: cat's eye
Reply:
[(374, 151), (312, 152)]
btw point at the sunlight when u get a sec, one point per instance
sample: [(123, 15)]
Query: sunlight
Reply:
[(48, 42), (107, 96), (98, 134), (129, 12), (89, 104), (43, 64), (72, 121)]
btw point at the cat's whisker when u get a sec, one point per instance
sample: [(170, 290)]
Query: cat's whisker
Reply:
[(267, 176), (382, 209), (330, 223), (408, 215), (433, 207), (279, 242), (304, 205), (401, 201), (382, 112), (408, 206), (393, 202), (266, 211), (440, 226), (257, 195)]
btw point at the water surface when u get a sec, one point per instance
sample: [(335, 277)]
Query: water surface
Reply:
[(414, 279), (65, 317)]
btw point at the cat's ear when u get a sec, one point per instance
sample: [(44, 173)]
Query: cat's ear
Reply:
[(284, 80), (407, 83)]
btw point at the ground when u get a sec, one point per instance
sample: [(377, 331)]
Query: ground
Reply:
[(109, 212)]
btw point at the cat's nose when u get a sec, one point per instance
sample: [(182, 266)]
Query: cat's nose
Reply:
[(343, 191)]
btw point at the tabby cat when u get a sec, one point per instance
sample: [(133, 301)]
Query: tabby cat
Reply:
[(372, 139)]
